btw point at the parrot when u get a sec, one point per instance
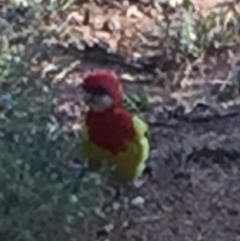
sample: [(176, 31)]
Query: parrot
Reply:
[(110, 132)]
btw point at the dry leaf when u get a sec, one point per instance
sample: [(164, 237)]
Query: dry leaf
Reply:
[(133, 11), (99, 22), (114, 24), (48, 68), (62, 75), (75, 17)]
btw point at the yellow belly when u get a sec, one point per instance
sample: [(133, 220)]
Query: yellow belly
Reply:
[(128, 164)]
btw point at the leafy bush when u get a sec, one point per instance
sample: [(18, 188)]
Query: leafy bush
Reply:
[(39, 198)]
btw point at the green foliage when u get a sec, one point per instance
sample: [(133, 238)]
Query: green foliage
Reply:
[(218, 29), (187, 34), (39, 198), (197, 35), (136, 103)]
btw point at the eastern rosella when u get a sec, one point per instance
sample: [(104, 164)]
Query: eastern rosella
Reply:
[(111, 133)]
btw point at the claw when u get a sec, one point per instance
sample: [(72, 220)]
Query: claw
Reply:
[(148, 171)]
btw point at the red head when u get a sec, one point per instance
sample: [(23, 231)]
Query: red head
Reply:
[(102, 90)]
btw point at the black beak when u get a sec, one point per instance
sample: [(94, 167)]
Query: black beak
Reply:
[(88, 97)]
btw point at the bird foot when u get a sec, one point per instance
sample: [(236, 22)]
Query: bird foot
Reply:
[(148, 171), (76, 168)]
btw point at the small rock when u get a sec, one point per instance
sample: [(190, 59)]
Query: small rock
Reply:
[(125, 200), (99, 212), (116, 206), (127, 77), (73, 199), (188, 222), (138, 183), (105, 230), (138, 201), (109, 227), (125, 224)]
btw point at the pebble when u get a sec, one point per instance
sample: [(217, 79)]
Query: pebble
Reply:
[(116, 206), (138, 201)]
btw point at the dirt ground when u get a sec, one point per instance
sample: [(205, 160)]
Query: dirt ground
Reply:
[(194, 190), (199, 203), (193, 193)]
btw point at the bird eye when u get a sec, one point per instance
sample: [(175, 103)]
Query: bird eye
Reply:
[(95, 90), (100, 91)]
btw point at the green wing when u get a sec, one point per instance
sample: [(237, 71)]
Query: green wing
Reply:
[(140, 126), (136, 103)]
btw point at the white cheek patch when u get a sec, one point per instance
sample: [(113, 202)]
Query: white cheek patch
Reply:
[(102, 103), (107, 101)]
